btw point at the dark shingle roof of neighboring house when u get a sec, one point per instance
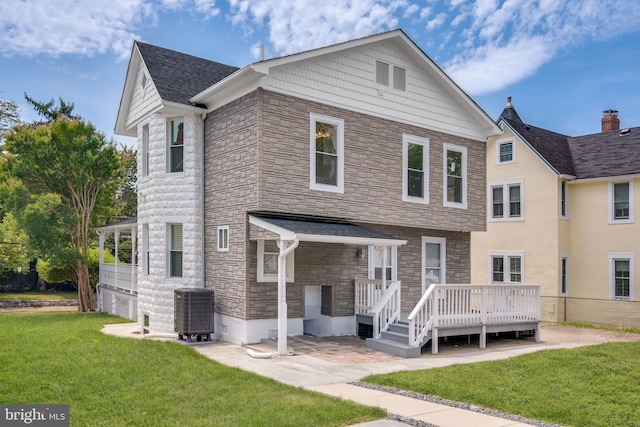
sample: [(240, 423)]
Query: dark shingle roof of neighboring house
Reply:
[(599, 155), (607, 154), (551, 146), (178, 76)]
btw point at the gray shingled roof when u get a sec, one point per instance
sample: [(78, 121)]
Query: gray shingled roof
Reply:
[(324, 227), (606, 154), (179, 76), (551, 146)]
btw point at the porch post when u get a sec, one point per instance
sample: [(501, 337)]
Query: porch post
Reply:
[(285, 249), (134, 264), (101, 256), (116, 237)]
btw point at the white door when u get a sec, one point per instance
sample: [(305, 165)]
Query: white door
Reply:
[(434, 263), (375, 264)]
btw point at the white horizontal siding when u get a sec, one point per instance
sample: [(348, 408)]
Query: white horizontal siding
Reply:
[(142, 100), (348, 80)]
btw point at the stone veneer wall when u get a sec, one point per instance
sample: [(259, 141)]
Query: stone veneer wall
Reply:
[(169, 198), (230, 189), (372, 169), (256, 158)]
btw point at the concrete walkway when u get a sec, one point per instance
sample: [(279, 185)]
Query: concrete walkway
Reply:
[(328, 365)]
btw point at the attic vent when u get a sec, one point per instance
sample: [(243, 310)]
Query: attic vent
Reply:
[(382, 73), (144, 81), (399, 78), (624, 132)]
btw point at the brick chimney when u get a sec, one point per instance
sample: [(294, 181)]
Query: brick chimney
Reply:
[(610, 121)]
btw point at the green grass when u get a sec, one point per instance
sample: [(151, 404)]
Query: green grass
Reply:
[(603, 327), (38, 296), (588, 386), (108, 381)]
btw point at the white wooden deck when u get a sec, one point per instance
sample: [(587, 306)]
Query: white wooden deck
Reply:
[(446, 310)]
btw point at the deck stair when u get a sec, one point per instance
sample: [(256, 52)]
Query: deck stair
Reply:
[(448, 310)]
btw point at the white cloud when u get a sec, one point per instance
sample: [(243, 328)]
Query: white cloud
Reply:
[(85, 28), (295, 25), (510, 40)]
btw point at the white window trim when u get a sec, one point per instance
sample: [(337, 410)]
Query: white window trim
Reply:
[(506, 208), (168, 251), (564, 256), (168, 144), (463, 150), (406, 140), (221, 246), (443, 259), (626, 256), (145, 150), (502, 141), (631, 218), (146, 254), (507, 270), (339, 123), (393, 250), (566, 199), (261, 277)]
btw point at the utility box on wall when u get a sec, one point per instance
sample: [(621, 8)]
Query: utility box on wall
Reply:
[(193, 313)]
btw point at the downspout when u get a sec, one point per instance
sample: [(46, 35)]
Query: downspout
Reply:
[(202, 275), (282, 293)]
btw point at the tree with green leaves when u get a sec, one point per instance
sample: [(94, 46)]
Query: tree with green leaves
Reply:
[(56, 175)]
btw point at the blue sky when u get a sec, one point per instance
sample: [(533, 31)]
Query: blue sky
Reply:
[(563, 61)]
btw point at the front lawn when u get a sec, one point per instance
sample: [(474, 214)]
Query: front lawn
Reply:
[(108, 381), (38, 296), (588, 386)]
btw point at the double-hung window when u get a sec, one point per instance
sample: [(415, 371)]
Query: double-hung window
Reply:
[(175, 250), (146, 254), (506, 200), (326, 154), (564, 208), (621, 275), (621, 202), (223, 238), (175, 145), (564, 274), (506, 267), (145, 150), (415, 171), (505, 151), (455, 176), (268, 253)]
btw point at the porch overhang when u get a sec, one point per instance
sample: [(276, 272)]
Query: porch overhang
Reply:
[(323, 231)]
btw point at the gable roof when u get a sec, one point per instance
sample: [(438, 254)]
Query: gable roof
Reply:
[(249, 75), (599, 155), (552, 147), (179, 76)]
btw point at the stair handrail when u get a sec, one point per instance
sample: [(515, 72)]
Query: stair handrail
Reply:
[(387, 309), (422, 317)]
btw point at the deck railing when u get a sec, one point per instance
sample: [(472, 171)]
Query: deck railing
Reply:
[(472, 305), (387, 309), (368, 292), (119, 276)]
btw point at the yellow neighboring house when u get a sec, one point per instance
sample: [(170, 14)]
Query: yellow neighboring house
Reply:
[(561, 214)]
